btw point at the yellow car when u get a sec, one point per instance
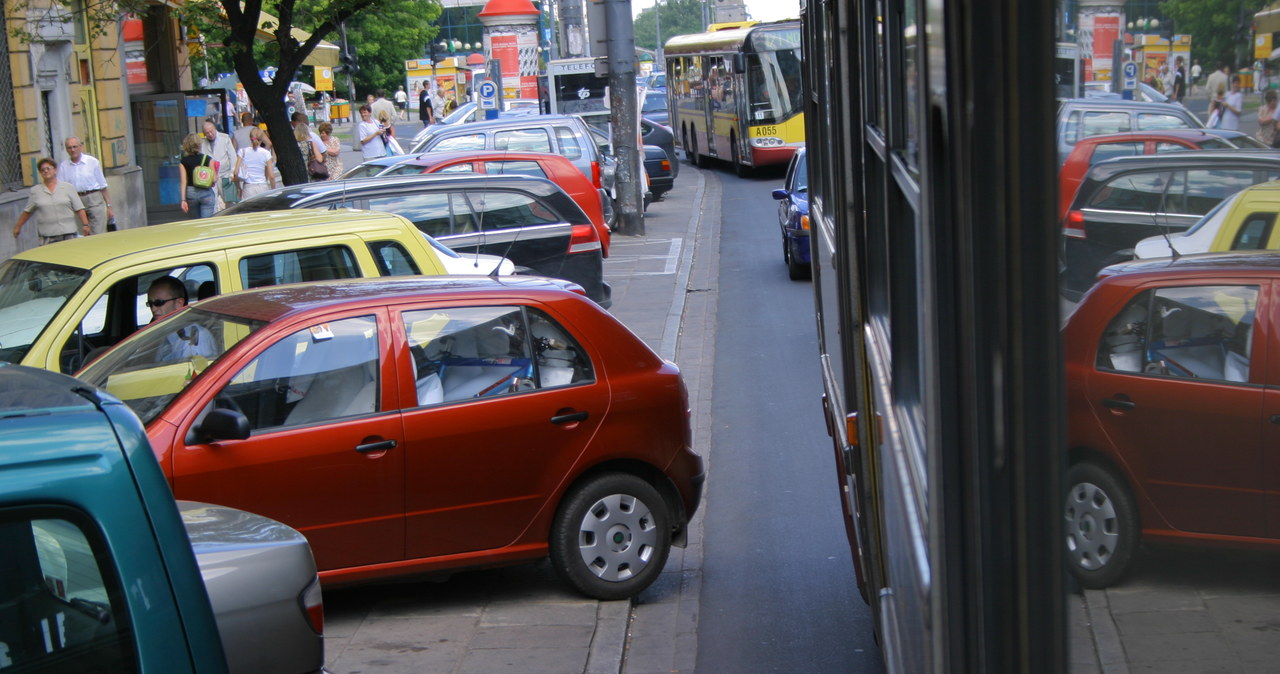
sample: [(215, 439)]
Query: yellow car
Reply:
[(1244, 221), (62, 302)]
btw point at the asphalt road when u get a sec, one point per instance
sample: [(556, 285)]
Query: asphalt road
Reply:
[(778, 591)]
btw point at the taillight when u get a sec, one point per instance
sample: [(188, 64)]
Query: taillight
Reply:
[(666, 165), (1073, 225), (595, 174), (584, 239), (313, 606)]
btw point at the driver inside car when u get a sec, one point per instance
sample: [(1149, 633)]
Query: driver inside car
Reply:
[(165, 296)]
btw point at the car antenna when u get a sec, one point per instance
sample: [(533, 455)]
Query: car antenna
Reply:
[(1164, 228)]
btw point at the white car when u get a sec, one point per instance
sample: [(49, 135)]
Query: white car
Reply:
[(1196, 239), (471, 263)]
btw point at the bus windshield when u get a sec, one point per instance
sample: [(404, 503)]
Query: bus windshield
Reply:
[(773, 76)]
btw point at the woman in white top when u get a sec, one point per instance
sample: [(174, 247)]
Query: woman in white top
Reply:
[(370, 134), (1231, 104), (255, 169)]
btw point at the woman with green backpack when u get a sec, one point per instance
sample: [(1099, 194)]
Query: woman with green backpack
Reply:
[(197, 179)]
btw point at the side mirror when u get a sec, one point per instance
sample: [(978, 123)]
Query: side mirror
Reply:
[(779, 194), (221, 424)]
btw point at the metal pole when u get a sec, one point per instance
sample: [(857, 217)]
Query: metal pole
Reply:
[(351, 86), (621, 47), (657, 22)]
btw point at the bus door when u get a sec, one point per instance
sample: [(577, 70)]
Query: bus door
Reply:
[(717, 78)]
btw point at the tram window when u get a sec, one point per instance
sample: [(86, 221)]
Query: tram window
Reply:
[(911, 82)]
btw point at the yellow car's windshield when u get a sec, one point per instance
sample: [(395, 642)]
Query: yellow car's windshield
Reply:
[(148, 370)]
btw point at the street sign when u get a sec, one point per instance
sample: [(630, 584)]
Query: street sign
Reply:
[(488, 91), (1131, 75)]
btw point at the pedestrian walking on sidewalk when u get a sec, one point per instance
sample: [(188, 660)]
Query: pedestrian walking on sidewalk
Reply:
[(402, 102), (332, 150), (255, 167), (198, 201), (426, 111), (1267, 119), (85, 175), (56, 205), (219, 146), (371, 135), (1216, 85)]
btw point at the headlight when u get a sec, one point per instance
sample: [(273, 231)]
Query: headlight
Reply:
[(767, 141)]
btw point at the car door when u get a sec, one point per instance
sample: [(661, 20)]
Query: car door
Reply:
[(325, 454), (1177, 390), (507, 401), (1271, 410)]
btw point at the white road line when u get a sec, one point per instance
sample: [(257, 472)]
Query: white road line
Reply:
[(671, 258)]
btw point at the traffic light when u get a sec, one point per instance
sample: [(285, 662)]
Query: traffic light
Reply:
[(348, 61)]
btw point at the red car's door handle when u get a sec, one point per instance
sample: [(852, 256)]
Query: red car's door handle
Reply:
[(1118, 404), (569, 418), (376, 446)]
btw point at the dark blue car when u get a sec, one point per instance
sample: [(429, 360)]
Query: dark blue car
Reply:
[(793, 216)]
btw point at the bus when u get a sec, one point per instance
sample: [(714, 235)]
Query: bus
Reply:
[(734, 93), (933, 258)]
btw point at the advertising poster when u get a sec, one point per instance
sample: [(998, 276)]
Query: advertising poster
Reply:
[(1106, 30)]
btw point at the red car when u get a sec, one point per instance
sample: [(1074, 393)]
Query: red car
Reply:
[(1173, 416), (1093, 149), (555, 168), (418, 425)]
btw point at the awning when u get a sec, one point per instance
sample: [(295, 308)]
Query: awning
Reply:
[(324, 55), (1267, 20)]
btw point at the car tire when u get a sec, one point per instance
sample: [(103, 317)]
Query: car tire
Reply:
[(611, 536), (1101, 525), (797, 271)]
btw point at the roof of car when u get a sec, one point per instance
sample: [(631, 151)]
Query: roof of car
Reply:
[(486, 124), (1235, 262), (27, 390), (1240, 156), (1192, 135), (434, 158), (1120, 103), (208, 234), (284, 197), (273, 302)]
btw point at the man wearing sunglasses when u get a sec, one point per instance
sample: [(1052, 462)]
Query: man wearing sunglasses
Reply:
[(165, 296)]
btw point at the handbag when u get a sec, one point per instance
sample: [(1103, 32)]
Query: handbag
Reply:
[(317, 169), (203, 176), (1215, 119), (393, 147)]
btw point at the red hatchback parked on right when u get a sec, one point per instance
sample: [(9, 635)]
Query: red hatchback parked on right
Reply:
[(1173, 409)]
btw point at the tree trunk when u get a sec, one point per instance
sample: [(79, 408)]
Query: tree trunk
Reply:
[(269, 101)]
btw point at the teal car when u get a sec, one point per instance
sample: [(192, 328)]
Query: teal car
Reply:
[(97, 572)]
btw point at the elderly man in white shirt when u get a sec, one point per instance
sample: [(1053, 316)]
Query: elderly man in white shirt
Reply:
[(221, 147), (85, 174)]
